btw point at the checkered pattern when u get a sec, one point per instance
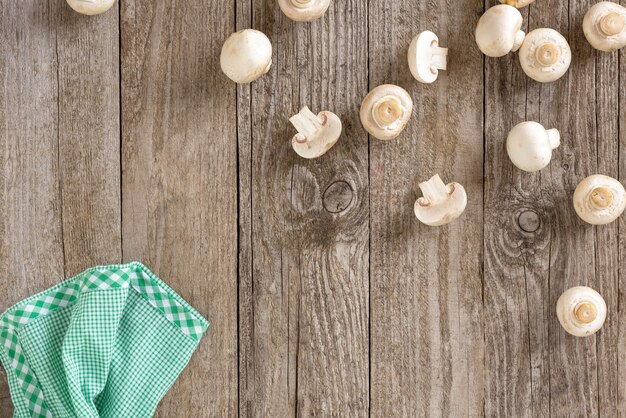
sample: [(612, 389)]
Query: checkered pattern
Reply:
[(106, 343)]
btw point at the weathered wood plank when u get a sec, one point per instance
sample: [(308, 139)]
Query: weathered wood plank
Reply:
[(246, 380), (533, 367), (606, 245), (89, 137), (31, 249), (304, 235), (620, 309), (59, 143), (426, 296), (305, 305), (179, 180), (519, 222)]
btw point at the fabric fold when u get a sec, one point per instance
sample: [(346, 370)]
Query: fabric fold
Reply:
[(109, 342)]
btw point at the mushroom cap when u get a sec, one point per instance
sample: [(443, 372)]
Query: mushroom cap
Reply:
[(420, 56), (90, 7), (246, 55), (530, 146), (545, 55), (385, 111), (444, 211), (304, 10), (581, 311), (604, 26), (599, 199), (323, 140), (517, 3), (498, 30)]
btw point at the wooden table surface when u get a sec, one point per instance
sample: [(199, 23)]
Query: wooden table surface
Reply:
[(121, 139)]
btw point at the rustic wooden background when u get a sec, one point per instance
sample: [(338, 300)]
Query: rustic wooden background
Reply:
[(120, 139)]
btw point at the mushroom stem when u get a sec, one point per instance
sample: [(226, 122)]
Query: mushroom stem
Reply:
[(612, 24), (585, 312), (601, 197), (306, 122), (439, 58), (434, 190), (519, 40), (554, 137)]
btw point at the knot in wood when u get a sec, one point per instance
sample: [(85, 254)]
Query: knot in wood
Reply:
[(528, 221), (337, 197)]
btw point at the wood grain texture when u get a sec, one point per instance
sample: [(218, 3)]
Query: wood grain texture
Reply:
[(427, 350), (544, 370), (88, 77), (619, 322), (179, 180), (326, 295), (31, 254), (304, 300), (59, 147)]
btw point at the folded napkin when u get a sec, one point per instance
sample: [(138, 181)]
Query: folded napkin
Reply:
[(109, 342)]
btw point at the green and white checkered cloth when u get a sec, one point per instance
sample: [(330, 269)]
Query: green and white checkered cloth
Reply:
[(109, 342)]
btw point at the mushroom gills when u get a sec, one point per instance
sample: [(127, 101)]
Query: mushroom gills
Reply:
[(545, 55), (316, 133), (604, 26), (304, 10), (385, 111), (426, 57), (440, 203), (612, 24)]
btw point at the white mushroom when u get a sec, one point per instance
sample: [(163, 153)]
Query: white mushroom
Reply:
[(441, 203), (545, 55), (246, 55), (599, 199), (530, 145), (517, 3), (304, 10), (426, 57), (316, 133), (91, 7), (498, 31), (385, 111), (581, 311), (604, 26)]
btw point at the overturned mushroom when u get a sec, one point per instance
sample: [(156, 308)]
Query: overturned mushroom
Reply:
[(385, 111), (517, 3), (604, 26), (441, 203), (599, 199), (246, 55), (426, 57), (498, 31), (581, 311), (316, 133), (530, 145), (545, 55), (91, 7), (304, 10)]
